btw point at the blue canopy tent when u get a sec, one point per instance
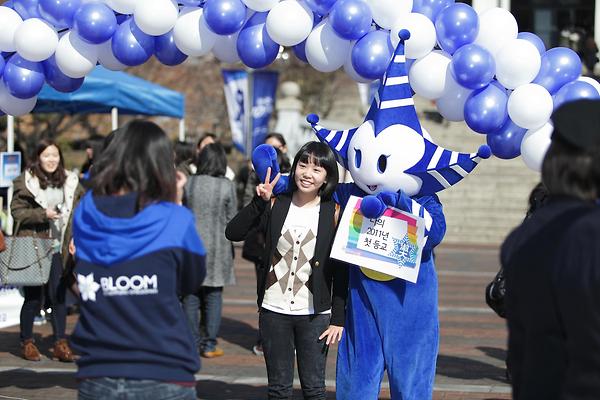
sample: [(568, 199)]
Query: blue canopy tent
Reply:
[(105, 91)]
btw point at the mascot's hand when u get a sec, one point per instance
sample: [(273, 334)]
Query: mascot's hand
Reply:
[(263, 158), (372, 206)]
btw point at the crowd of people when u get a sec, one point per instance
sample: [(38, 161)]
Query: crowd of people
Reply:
[(146, 244)]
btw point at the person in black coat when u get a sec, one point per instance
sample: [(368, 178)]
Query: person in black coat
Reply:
[(552, 267)]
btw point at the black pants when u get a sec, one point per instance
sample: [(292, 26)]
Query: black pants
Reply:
[(55, 289), (281, 334)]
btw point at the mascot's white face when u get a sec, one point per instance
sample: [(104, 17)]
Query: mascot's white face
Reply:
[(377, 163)]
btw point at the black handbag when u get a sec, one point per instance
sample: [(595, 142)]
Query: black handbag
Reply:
[(494, 294)]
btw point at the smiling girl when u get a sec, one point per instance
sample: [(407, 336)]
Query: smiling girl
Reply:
[(44, 196), (301, 292)]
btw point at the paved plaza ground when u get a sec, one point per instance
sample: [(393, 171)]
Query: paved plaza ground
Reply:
[(470, 364)]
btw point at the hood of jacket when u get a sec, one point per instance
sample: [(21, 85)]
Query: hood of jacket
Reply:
[(106, 240)]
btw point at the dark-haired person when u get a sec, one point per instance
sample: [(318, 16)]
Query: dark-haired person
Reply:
[(301, 292), (552, 269), (137, 252), (206, 139), (212, 199), (44, 196)]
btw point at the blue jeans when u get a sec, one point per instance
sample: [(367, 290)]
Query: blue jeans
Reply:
[(281, 334), (132, 389), (205, 330)]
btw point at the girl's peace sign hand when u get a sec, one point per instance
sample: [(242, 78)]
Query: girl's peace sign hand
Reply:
[(265, 189)]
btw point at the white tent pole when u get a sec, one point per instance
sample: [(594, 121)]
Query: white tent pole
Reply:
[(10, 147), (114, 113), (182, 130)]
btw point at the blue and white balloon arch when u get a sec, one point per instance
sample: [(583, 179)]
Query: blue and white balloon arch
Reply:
[(477, 67)]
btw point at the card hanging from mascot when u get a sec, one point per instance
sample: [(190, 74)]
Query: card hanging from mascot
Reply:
[(391, 324)]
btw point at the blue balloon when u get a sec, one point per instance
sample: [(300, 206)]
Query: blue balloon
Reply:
[(190, 3), (2, 64), (9, 4), (58, 80), (372, 53), (456, 25), (300, 51), (560, 66), (473, 66), (485, 109), (320, 7), (130, 45), (95, 23), (430, 8), (224, 17), (26, 8), (23, 79), (254, 45), (505, 142), (574, 91), (351, 19), (166, 51), (59, 13), (534, 40)]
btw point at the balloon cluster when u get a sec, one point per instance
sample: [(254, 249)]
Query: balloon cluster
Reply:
[(477, 67)]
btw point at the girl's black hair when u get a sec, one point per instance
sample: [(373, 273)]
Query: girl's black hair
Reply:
[(212, 160), (567, 170), (184, 151), (138, 159), (320, 154), (278, 136), (55, 179)]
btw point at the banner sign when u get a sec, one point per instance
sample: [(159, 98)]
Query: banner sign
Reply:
[(239, 86), (391, 244), (236, 95), (10, 167)]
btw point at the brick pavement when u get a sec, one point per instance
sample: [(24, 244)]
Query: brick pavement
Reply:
[(470, 364)]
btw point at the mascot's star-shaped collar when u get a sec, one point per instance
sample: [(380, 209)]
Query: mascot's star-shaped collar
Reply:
[(388, 151)]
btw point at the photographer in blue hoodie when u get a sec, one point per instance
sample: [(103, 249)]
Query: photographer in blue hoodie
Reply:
[(137, 253)]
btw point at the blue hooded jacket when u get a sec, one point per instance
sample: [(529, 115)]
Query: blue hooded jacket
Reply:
[(132, 268)]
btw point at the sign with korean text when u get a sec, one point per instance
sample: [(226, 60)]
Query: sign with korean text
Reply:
[(391, 244), (10, 167)]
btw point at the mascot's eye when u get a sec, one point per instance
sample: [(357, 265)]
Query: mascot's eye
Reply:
[(382, 164), (357, 158)]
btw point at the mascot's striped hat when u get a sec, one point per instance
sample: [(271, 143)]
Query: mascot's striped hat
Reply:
[(393, 104)]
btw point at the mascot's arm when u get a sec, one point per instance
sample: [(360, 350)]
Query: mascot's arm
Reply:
[(264, 156), (427, 207)]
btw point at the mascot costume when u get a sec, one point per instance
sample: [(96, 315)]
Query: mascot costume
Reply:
[(391, 324)]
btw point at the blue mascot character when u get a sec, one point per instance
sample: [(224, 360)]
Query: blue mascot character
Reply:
[(391, 324)]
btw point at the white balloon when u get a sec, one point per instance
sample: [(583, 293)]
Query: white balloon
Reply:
[(124, 6), (535, 145), (225, 48), (428, 75), (107, 58), (325, 50), (517, 63), (530, 106), (452, 103), (156, 17), (191, 33), (14, 106), (591, 81), (36, 39), (74, 57), (387, 12), (422, 35), (349, 68), (9, 21), (497, 26), (289, 22), (260, 5)]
